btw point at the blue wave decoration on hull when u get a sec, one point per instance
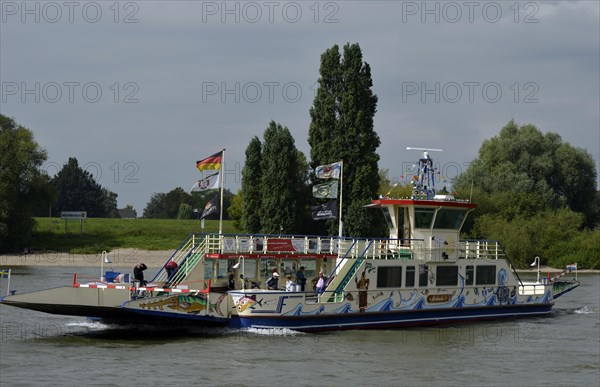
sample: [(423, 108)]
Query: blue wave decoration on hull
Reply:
[(460, 302), (383, 306), (297, 311), (346, 308)]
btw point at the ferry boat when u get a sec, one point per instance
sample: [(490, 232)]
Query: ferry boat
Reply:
[(422, 274)]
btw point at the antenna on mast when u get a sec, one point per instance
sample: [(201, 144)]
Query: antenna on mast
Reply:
[(424, 182)]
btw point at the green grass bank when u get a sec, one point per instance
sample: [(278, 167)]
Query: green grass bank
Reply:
[(108, 234)]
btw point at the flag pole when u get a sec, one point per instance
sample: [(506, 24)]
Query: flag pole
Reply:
[(341, 227), (221, 184)]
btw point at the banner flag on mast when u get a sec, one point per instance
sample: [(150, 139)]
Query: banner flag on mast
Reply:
[(325, 211), (326, 191), (330, 171), (206, 183), (212, 162), (211, 207)]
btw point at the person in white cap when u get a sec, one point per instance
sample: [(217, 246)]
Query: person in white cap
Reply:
[(273, 281)]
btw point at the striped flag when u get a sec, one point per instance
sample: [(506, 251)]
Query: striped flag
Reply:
[(212, 162), (572, 267)]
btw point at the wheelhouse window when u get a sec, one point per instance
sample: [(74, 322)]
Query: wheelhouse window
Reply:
[(449, 219), (423, 275), (446, 276), (410, 276), (485, 275), (423, 217), (389, 277), (469, 275)]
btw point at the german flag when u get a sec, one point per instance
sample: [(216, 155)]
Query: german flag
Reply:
[(211, 162)]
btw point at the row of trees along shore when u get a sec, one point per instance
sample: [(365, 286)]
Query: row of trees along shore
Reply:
[(537, 194)]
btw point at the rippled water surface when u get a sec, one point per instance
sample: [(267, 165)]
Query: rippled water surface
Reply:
[(43, 349)]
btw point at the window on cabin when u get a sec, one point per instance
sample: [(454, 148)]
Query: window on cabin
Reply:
[(208, 268), (423, 217), (249, 268), (289, 267), (449, 219), (485, 275), (446, 276), (310, 267), (410, 276), (423, 275), (389, 277), (469, 275), (266, 267), (222, 268)]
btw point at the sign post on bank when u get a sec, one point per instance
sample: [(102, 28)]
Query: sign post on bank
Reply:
[(70, 215)]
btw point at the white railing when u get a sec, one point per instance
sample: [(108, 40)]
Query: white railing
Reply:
[(377, 248)]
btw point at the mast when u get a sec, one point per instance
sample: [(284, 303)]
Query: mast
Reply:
[(221, 188)]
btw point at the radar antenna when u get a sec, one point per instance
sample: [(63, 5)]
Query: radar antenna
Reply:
[(424, 182)]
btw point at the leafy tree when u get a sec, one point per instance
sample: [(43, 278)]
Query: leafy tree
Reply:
[(20, 183), (166, 205), (393, 190), (342, 129), (282, 185), (45, 196), (251, 187), (532, 171), (178, 204), (78, 191)]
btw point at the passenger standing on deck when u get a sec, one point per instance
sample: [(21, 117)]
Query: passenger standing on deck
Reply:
[(171, 268), (363, 286), (320, 283), (273, 281), (301, 278), (138, 273), (289, 284)]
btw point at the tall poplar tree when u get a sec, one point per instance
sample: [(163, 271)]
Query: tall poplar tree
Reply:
[(341, 128), (282, 192), (251, 183)]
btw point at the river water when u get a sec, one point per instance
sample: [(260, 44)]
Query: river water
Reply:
[(44, 349)]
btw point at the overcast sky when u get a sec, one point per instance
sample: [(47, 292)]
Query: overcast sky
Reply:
[(139, 91)]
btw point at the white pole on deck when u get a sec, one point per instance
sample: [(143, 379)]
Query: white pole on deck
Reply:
[(222, 184), (341, 227)]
